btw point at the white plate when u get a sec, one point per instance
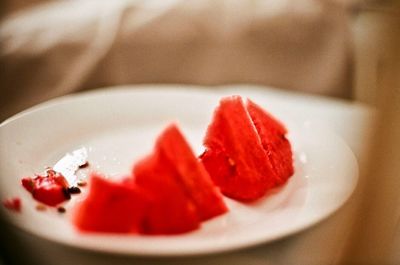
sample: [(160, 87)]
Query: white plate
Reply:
[(118, 126)]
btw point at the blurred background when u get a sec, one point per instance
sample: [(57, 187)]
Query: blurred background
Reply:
[(342, 49)]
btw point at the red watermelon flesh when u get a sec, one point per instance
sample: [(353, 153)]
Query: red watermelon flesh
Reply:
[(170, 212), (111, 207), (50, 189), (190, 173), (272, 135), (234, 156)]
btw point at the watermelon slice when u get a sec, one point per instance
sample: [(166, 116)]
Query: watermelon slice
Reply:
[(272, 134), (235, 157), (183, 191), (239, 143), (190, 173), (170, 212), (112, 207)]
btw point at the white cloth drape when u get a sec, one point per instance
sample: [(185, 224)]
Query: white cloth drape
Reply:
[(65, 46)]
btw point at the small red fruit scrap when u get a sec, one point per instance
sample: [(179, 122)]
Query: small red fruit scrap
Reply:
[(247, 152), (168, 192), (50, 189), (13, 204)]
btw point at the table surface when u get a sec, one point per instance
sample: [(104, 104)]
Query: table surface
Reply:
[(320, 244)]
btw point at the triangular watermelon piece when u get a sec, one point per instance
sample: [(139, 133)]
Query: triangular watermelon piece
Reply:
[(191, 174), (235, 157), (170, 212), (111, 207), (272, 134), (183, 191), (247, 152)]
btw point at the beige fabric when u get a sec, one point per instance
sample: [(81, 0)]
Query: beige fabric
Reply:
[(66, 46)]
